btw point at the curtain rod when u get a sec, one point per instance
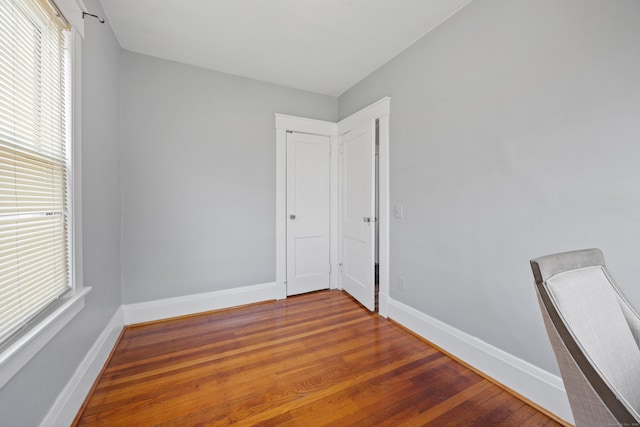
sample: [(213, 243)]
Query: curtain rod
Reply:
[(95, 16)]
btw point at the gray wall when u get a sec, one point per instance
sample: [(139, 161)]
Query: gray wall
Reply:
[(27, 397), (515, 132), (198, 205)]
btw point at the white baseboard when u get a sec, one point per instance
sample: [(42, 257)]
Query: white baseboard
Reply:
[(68, 403), (535, 384), (383, 305), (198, 303)]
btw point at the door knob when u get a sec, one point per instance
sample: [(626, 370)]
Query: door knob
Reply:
[(292, 217), (369, 219)]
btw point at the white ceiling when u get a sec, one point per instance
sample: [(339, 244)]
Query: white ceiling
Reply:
[(323, 46)]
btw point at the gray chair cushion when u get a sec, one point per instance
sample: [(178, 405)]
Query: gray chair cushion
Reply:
[(595, 334), (591, 310)]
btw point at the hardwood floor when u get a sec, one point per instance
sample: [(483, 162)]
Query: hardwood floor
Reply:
[(311, 360)]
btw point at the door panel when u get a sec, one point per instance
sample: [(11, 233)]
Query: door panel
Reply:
[(357, 213), (308, 212)]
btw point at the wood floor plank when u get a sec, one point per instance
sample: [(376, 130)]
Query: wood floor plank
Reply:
[(518, 417), (312, 360), (364, 398), (449, 405)]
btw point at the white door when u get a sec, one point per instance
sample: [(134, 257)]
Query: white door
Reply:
[(357, 217), (308, 212)]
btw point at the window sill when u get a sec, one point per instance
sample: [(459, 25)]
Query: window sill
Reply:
[(19, 353)]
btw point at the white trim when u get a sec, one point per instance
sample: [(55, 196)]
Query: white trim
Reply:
[(198, 303), (70, 400), (281, 211), (383, 203), (284, 124), (374, 111), (19, 353), (378, 110), (303, 125), (535, 384), (77, 274), (334, 215), (72, 11)]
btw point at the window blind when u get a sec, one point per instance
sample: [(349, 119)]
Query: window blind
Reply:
[(35, 78)]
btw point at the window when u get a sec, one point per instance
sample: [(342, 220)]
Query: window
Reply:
[(35, 161)]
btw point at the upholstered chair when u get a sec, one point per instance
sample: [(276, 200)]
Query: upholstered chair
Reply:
[(595, 334)]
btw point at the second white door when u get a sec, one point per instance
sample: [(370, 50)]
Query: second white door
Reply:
[(357, 216), (308, 212)]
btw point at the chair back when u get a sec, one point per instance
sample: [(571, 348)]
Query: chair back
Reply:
[(595, 334)]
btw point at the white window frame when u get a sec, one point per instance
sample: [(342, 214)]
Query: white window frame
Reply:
[(21, 349)]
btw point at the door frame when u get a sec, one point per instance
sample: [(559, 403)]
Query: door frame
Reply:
[(284, 123)]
